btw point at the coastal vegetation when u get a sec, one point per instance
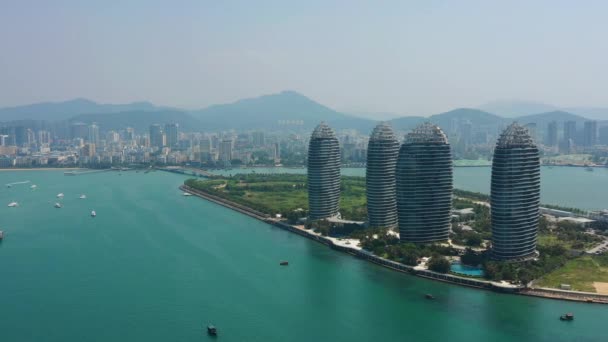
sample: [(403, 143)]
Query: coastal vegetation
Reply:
[(560, 243), (582, 274), (282, 194)]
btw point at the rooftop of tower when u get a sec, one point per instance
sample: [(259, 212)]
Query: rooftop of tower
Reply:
[(515, 136), (323, 131), (383, 131), (427, 133)]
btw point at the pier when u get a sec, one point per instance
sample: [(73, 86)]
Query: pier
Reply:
[(190, 171)]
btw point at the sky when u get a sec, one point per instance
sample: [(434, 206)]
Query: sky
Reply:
[(402, 57)]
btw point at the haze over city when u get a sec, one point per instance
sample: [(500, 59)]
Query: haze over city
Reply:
[(377, 59), (303, 171)]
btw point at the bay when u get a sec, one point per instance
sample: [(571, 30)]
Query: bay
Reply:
[(157, 266)]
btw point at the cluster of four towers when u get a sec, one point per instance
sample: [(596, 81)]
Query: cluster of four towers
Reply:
[(410, 186)]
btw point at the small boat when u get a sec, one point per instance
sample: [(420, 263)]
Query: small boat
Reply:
[(567, 317), (284, 263), (83, 196), (58, 205), (211, 330), (8, 185), (1, 235), (33, 186), (13, 204), (60, 195), (187, 194), (93, 213), (429, 296)]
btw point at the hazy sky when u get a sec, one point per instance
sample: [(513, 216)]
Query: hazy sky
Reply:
[(407, 57)]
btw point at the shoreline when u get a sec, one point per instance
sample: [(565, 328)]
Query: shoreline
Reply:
[(333, 243), (43, 169)]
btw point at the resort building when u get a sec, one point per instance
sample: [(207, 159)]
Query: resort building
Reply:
[(424, 185), (323, 174), (515, 195), (382, 152)]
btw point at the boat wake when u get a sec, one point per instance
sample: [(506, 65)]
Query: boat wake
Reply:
[(15, 183)]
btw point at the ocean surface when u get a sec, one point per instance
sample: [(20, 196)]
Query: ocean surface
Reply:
[(572, 187), (157, 266)]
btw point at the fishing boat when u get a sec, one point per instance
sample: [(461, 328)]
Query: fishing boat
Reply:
[(58, 205), (567, 317), (211, 330)]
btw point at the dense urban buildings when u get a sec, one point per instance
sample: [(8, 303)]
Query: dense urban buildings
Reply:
[(323, 173), (171, 134), (382, 152), (552, 134), (515, 195), (590, 133), (156, 136), (424, 185)]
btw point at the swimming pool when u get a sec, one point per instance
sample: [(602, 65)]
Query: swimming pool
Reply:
[(467, 270)]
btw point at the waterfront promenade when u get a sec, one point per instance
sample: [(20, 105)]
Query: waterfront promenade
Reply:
[(350, 246)]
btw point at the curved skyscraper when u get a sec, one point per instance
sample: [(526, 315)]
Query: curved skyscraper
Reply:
[(323, 173), (424, 185), (382, 152), (515, 195)]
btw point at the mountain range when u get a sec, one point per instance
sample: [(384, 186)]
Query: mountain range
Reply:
[(286, 110), (514, 109)]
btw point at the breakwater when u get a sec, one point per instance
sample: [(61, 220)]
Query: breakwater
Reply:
[(502, 287)]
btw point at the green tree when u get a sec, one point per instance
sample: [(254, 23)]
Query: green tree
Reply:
[(439, 264)]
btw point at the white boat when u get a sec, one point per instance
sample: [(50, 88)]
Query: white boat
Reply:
[(57, 205), (13, 204), (83, 196), (93, 213), (60, 195), (187, 194), (33, 186)]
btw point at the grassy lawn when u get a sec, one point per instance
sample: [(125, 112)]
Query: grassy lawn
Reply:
[(282, 193), (580, 273), (279, 201), (548, 240)]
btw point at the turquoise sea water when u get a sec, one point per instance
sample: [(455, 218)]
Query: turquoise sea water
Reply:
[(565, 186), (157, 266)]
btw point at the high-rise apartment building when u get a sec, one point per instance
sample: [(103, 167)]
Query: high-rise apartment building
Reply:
[(552, 134), (323, 173), (259, 139), (424, 185), (93, 137), (382, 152), (515, 195), (225, 150), (171, 134), (590, 133), (156, 136)]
